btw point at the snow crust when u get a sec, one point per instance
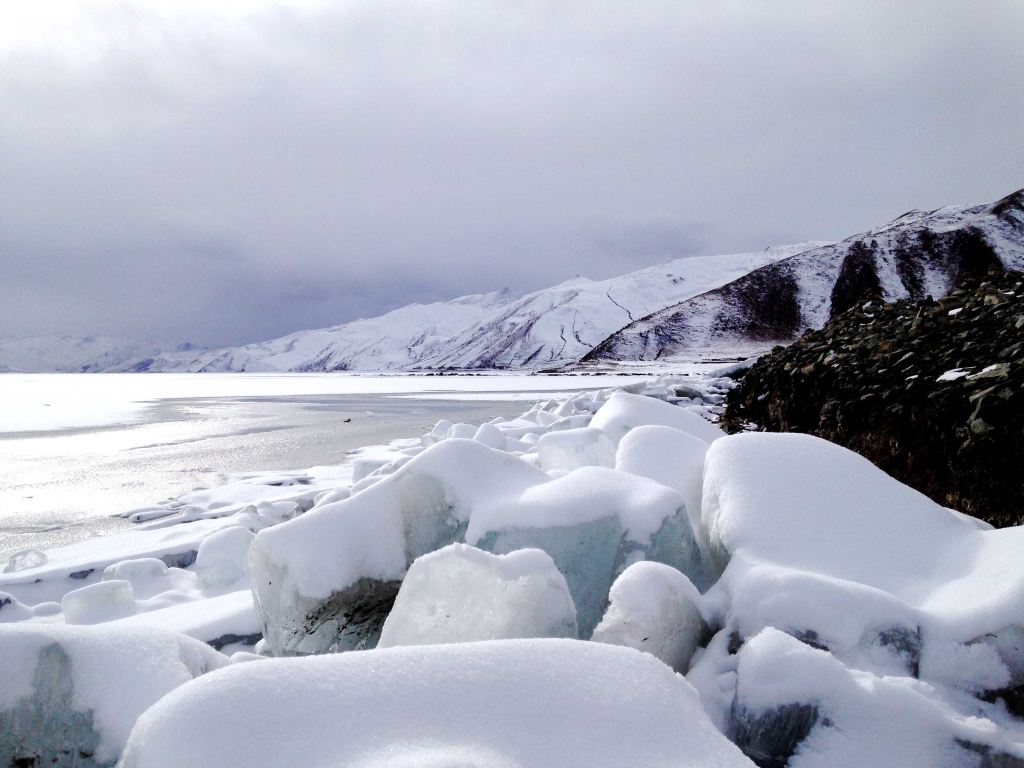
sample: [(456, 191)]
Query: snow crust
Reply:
[(524, 703)]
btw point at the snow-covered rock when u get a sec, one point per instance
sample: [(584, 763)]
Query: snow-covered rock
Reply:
[(70, 695), (499, 704), (652, 607), (799, 706), (459, 594)]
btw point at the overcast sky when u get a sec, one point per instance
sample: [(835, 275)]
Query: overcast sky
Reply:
[(232, 175)]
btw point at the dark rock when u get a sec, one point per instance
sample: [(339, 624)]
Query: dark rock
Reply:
[(870, 381), (771, 738)]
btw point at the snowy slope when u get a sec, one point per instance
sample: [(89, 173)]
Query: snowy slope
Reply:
[(397, 340), (549, 327), (560, 324), (918, 254)]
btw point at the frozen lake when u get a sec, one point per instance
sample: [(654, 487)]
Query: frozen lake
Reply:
[(76, 449)]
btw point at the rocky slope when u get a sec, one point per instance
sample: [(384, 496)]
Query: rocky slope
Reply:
[(930, 391), (921, 253)]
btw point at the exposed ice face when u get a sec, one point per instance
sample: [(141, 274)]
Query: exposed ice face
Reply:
[(592, 522), (671, 457), (652, 607), (71, 694), (570, 449), (460, 594), (523, 703)]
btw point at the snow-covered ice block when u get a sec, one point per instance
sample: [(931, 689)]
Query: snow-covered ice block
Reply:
[(671, 457), (100, 602), (796, 705), (76, 565), (147, 575), (460, 594), (222, 559), (498, 704), (491, 436), (574, 448), (223, 620), (823, 544), (592, 522), (652, 607), (326, 580), (11, 609), (22, 561), (623, 412), (811, 505), (70, 695)]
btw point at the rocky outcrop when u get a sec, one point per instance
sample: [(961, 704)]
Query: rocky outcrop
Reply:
[(930, 391), (920, 253)]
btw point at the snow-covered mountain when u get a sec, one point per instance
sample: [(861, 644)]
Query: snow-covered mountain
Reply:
[(546, 328), (742, 303), (70, 354), (918, 254)]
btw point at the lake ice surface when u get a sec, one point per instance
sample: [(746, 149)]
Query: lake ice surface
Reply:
[(77, 449)]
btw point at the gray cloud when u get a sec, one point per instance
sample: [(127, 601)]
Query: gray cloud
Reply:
[(229, 177)]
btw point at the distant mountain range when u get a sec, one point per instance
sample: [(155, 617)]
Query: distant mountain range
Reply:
[(733, 304)]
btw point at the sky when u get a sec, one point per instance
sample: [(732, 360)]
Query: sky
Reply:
[(225, 172)]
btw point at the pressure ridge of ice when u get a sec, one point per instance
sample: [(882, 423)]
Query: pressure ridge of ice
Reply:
[(441, 591)]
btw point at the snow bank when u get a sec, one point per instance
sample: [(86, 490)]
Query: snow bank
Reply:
[(71, 695), (500, 704), (652, 607), (460, 594)]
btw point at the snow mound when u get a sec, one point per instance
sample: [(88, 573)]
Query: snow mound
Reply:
[(624, 411), (498, 704), (652, 607), (459, 594), (70, 695)]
